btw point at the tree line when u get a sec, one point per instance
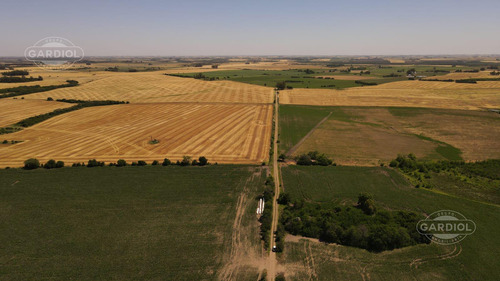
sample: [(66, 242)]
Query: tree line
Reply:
[(25, 90), (33, 163), (363, 225)]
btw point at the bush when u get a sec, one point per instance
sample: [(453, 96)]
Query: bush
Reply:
[(304, 160), (284, 198), (121, 163), (281, 85), (31, 164), (59, 164), (51, 164), (94, 163), (203, 161), (155, 163), (141, 163), (365, 203), (166, 162), (186, 161)]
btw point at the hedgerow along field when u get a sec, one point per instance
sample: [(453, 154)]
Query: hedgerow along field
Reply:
[(140, 223), (374, 135), (223, 133), (14, 110), (467, 260)]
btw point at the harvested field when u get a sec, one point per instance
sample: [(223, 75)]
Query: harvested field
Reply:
[(409, 84), (465, 75), (405, 93), (155, 87), (223, 133), (15, 110)]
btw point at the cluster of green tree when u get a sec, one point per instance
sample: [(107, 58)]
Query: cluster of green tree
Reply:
[(314, 158), (14, 79), (471, 81), (495, 73), (186, 161), (362, 226), (392, 75), (266, 219), (11, 142), (412, 166), (364, 83), (88, 103), (364, 72), (307, 71), (8, 130), (112, 69), (33, 163), (328, 86), (30, 121), (25, 90), (52, 164), (281, 85), (438, 80), (16, 73)]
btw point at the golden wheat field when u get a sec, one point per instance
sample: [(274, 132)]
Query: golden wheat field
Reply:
[(14, 110), (406, 93), (151, 87), (222, 133)]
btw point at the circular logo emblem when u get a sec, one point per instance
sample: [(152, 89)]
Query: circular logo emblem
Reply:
[(54, 53), (446, 227)]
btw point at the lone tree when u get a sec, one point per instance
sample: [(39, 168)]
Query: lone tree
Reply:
[(31, 164), (121, 163)]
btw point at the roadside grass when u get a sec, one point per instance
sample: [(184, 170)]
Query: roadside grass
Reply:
[(467, 260), (128, 223)]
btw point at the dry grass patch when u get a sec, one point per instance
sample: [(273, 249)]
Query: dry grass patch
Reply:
[(222, 133)]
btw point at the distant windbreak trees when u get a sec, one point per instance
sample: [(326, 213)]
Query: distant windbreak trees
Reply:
[(18, 76)]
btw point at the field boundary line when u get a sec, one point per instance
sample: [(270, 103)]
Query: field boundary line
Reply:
[(302, 140)]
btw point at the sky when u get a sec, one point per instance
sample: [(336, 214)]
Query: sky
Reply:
[(254, 27)]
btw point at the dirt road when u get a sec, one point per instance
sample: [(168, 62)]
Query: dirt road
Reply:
[(272, 262)]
